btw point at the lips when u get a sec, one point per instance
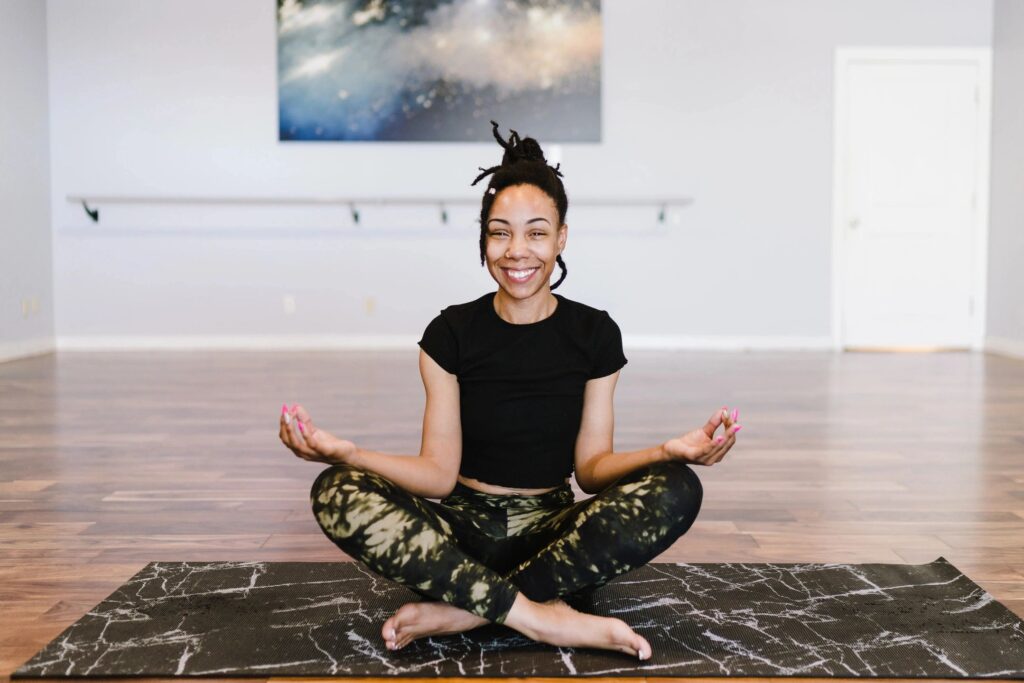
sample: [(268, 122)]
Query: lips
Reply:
[(511, 278)]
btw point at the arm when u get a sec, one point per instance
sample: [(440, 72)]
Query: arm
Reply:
[(433, 473), (596, 465)]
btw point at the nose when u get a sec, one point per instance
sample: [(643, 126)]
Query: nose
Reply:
[(517, 247)]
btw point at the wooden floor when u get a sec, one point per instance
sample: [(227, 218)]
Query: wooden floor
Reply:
[(109, 461)]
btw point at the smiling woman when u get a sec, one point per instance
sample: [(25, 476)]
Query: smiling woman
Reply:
[(524, 195), (520, 386), (521, 249)]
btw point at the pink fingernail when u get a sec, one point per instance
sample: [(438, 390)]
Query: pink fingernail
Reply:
[(738, 428), (301, 428), (284, 408), (735, 414), (719, 440)]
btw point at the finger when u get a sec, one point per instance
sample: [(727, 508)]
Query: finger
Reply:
[(300, 438), (701, 455), (287, 434), (725, 445), (718, 446), (284, 422), (712, 424), (295, 438), (294, 425), (313, 442), (721, 455), (284, 431), (301, 413), (309, 437)]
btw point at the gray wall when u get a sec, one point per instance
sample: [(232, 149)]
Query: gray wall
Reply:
[(1006, 217), (727, 101), (26, 277)]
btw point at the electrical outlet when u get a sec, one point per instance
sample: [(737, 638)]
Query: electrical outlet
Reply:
[(371, 304), (289, 304)]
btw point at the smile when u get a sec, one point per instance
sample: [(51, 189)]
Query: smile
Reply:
[(520, 275)]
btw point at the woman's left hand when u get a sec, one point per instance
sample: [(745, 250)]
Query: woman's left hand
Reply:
[(701, 447), (308, 441)]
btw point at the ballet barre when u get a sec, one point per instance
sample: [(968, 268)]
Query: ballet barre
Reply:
[(353, 203)]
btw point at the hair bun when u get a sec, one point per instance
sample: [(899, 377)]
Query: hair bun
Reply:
[(516, 149), (530, 149)]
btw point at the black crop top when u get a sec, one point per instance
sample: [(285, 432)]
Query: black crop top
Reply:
[(521, 386)]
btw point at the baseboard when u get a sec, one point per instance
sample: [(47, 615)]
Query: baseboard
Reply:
[(408, 343), (306, 342), (1004, 346), (26, 348)]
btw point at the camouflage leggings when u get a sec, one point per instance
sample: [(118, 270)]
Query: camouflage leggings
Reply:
[(477, 550)]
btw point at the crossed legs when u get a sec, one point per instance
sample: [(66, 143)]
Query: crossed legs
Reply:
[(461, 557)]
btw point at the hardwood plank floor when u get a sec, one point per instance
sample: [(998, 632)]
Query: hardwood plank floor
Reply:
[(109, 461)]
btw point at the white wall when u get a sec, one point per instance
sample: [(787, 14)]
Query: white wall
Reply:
[(1006, 219), (727, 101), (26, 277)]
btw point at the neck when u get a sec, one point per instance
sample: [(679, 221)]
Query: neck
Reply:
[(525, 311)]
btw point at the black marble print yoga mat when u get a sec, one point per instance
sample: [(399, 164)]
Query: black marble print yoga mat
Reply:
[(316, 618)]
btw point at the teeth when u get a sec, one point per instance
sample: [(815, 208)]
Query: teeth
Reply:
[(520, 274)]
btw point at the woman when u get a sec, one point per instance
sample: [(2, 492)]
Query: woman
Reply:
[(519, 386)]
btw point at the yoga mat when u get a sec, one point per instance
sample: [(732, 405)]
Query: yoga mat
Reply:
[(324, 618)]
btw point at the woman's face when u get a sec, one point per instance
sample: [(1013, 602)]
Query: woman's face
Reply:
[(523, 234)]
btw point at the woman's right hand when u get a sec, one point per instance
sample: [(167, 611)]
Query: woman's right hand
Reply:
[(309, 442), (697, 447)]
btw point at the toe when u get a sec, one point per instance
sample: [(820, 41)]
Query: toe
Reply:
[(389, 632), (643, 647)]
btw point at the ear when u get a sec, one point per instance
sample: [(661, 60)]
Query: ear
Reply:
[(563, 235)]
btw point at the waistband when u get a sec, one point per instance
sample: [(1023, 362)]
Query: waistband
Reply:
[(558, 497)]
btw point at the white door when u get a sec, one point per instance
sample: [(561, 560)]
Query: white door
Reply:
[(910, 209)]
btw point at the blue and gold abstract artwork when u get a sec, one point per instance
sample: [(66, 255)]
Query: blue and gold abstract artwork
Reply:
[(438, 70)]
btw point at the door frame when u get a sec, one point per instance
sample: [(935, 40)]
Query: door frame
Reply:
[(982, 58)]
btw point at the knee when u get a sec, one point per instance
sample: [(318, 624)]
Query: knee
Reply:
[(345, 500), (328, 482), (339, 482), (676, 489)]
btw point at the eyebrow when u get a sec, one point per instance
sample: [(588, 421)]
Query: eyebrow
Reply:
[(532, 220)]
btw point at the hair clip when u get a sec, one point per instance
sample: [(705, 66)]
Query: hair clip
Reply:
[(491, 190)]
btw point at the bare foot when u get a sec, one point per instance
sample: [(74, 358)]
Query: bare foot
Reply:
[(557, 623), (417, 619)]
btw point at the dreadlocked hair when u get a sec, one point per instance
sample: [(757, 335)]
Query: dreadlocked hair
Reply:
[(522, 164)]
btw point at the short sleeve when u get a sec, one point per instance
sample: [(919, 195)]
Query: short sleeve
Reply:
[(609, 356), (440, 344)]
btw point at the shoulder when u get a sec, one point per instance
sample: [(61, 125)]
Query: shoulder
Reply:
[(603, 339), (445, 337), (586, 317), (460, 314)]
